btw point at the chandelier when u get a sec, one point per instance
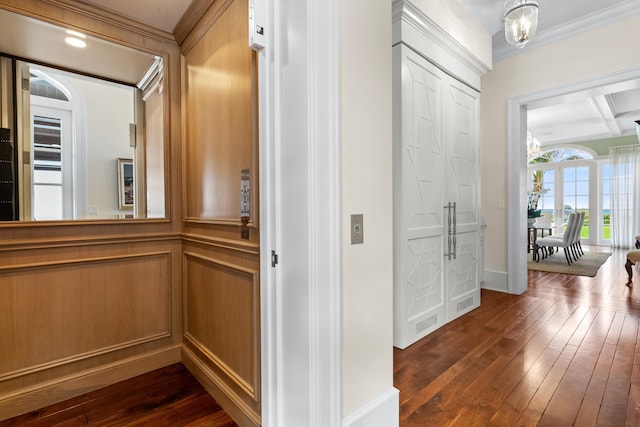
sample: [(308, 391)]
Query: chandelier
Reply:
[(533, 147), (520, 21)]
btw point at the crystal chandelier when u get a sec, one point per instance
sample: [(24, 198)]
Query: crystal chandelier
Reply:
[(533, 147), (520, 21)]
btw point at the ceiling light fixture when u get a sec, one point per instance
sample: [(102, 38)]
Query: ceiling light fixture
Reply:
[(75, 42), (76, 39), (638, 129), (520, 21)]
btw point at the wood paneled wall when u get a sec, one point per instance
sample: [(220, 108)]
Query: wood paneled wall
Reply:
[(85, 304), (221, 285)]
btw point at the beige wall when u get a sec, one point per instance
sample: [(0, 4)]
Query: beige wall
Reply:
[(582, 57), (367, 322)]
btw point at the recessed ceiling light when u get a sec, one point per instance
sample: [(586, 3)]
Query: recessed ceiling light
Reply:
[(75, 42), (76, 34)]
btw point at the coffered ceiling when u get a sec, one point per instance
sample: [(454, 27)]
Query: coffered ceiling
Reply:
[(608, 112)]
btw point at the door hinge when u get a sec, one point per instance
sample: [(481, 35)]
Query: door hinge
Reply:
[(274, 258)]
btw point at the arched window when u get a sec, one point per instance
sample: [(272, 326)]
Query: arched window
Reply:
[(563, 180), (562, 155)]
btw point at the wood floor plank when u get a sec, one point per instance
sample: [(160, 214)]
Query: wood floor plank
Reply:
[(522, 394), (524, 361), (615, 401), (568, 396), (590, 407), (487, 337), (170, 396)]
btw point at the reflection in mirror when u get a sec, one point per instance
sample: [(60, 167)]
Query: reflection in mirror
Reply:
[(68, 129)]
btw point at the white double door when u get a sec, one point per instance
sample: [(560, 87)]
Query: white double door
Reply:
[(436, 246)]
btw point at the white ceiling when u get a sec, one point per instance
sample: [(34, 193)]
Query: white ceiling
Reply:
[(161, 14), (601, 114), (43, 43)]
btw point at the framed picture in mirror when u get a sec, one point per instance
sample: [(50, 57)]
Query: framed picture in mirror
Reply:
[(125, 184)]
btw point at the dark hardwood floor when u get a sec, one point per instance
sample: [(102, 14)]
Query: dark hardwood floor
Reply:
[(169, 396), (562, 354)]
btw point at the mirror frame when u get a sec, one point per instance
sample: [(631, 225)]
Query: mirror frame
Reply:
[(113, 28)]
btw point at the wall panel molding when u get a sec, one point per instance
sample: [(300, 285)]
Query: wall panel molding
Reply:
[(76, 309), (233, 404), (78, 240), (216, 242), (223, 367), (221, 300), (46, 393)]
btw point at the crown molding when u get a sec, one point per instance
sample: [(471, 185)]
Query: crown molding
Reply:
[(415, 29), (502, 50)]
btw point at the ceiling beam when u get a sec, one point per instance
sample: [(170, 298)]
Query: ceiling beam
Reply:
[(603, 105)]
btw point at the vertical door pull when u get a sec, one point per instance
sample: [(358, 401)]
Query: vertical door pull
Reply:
[(448, 207), (455, 230)]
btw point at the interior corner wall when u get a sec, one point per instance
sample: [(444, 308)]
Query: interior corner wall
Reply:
[(585, 56), (366, 188)]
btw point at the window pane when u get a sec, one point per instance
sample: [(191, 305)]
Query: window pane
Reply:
[(584, 232), (569, 204), (582, 202), (570, 174), (582, 187), (582, 173), (47, 177), (569, 188)]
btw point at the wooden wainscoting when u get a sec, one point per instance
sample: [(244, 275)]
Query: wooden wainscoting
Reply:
[(77, 317), (221, 256), (221, 346)]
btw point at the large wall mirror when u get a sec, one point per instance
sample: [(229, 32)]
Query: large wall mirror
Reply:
[(82, 122)]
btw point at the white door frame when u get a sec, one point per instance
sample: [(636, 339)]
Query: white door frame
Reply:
[(517, 159), (300, 214)]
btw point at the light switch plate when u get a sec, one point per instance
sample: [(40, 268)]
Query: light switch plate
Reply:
[(357, 229)]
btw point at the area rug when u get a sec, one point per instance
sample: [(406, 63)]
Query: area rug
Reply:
[(586, 265)]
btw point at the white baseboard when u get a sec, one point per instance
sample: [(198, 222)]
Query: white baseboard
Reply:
[(496, 281), (383, 411)]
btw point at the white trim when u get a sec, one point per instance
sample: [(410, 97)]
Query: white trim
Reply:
[(517, 181), (496, 281), (300, 298), (415, 29), (600, 18), (379, 412), (517, 163), (324, 203), (268, 296)]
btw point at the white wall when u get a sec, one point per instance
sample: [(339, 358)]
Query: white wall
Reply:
[(597, 53), (109, 110), (366, 186)]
